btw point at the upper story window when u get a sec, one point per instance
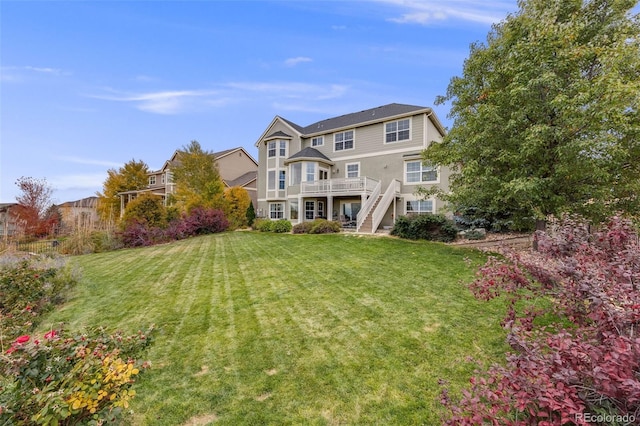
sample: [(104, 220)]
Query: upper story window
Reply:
[(397, 130), (353, 170), (277, 148), (317, 141), (295, 171), (310, 172), (416, 172), (281, 179), (162, 178), (152, 180), (343, 140)]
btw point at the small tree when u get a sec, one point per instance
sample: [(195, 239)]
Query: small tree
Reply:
[(198, 182), (34, 211), (251, 214), (237, 202), (146, 209)]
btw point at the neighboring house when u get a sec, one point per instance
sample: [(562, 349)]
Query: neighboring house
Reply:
[(80, 214), (8, 222), (361, 169), (236, 167)]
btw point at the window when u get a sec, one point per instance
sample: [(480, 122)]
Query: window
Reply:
[(276, 211), (418, 172), (321, 209), (271, 180), (397, 131), (281, 179), (343, 140), (353, 170), (309, 210), (311, 172), (271, 150), (283, 149), (162, 178), (293, 210), (323, 174), (420, 206), (152, 180), (318, 141), (295, 171)]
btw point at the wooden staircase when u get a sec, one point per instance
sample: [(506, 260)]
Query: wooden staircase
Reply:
[(367, 224)]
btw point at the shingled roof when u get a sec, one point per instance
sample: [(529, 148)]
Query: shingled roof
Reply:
[(309, 152), (373, 114)]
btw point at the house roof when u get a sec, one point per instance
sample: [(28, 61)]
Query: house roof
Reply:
[(243, 180), (367, 116), (85, 202), (278, 134), (373, 114), (309, 153)]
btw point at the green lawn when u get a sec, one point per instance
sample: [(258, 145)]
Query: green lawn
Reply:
[(260, 328)]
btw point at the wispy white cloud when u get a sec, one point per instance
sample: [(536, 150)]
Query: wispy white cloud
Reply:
[(292, 62), (183, 101), (20, 73), (86, 181), (88, 161), (292, 89), (425, 12), (163, 102)]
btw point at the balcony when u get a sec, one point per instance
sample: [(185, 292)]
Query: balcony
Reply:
[(343, 186)]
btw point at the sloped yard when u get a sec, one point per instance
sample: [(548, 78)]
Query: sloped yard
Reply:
[(292, 329)]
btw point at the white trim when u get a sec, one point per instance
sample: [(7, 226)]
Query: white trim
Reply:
[(420, 182), (384, 131), (377, 154), (412, 197), (321, 137), (346, 169), (342, 132)]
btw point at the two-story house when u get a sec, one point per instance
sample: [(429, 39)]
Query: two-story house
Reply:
[(236, 168), (361, 169)]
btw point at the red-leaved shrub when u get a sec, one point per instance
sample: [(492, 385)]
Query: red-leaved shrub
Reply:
[(583, 364)]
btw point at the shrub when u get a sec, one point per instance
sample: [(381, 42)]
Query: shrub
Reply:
[(323, 226), (251, 214), (474, 234), (146, 208), (281, 226), (579, 355), (202, 221), (69, 378), (302, 228), (433, 227), (136, 233), (263, 225), (28, 289)]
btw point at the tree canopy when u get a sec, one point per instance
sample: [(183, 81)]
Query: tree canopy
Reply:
[(130, 177), (546, 113), (196, 178)]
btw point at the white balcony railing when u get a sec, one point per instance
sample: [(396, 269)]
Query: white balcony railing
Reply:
[(339, 186)]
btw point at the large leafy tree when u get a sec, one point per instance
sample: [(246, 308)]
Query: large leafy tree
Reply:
[(546, 113), (197, 179), (237, 202), (130, 177)]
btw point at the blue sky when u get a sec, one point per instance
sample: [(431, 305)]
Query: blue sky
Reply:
[(88, 86)]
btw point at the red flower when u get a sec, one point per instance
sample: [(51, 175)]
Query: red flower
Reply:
[(51, 335), (11, 349), (23, 339)]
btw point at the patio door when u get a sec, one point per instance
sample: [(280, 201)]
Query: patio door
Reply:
[(350, 210), (309, 210)]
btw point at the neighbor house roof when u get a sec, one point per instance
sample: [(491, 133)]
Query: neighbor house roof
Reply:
[(243, 180), (85, 202)]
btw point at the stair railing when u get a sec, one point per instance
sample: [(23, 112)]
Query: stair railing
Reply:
[(383, 205), (368, 204)]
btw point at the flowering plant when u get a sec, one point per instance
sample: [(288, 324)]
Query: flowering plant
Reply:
[(65, 378)]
